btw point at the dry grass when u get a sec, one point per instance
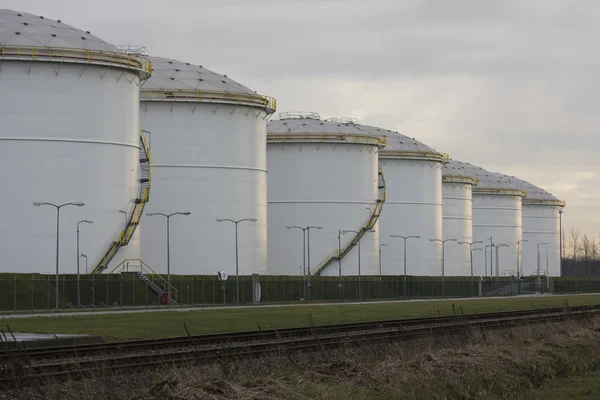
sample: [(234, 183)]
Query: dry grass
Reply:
[(481, 365)]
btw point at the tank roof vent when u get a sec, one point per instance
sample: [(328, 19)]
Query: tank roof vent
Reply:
[(299, 115), (344, 120)]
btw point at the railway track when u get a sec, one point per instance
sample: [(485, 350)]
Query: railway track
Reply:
[(81, 360)]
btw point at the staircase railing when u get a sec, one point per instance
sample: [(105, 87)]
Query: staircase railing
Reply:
[(137, 265), (138, 209), (335, 255)]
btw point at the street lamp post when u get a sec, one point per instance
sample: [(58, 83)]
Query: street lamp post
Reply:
[(58, 207), (86, 262), (491, 256), (498, 259), (380, 246), (560, 212), (405, 238), (443, 242), (351, 231), (520, 256), (237, 272), (538, 264), (305, 245), (471, 258), (84, 221), (472, 281), (168, 217)]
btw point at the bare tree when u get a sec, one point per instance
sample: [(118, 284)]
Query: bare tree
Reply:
[(574, 244), (588, 252)]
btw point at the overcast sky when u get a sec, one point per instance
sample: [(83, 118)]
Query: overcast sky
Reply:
[(512, 86)]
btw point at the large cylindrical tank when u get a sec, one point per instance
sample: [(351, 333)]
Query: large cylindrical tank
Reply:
[(322, 173), (457, 200), (413, 206), (497, 221), (70, 133), (208, 144), (541, 224)]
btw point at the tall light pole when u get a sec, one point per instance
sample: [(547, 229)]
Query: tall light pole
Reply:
[(520, 256), (560, 212), (538, 264), (237, 271), (86, 262), (443, 242), (380, 246), (124, 213), (491, 256), (405, 238), (471, 258), (58, 207), (351, 231), (305, 243), (497, 246), (472, 282), (84, 221), (168, 217)]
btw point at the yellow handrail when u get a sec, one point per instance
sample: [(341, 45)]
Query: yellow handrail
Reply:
[(77, 56), (137, 265), (209, 96), (307, 137), (336, 255), (138, 208)]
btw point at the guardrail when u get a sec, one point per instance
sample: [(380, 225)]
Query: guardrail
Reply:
[(207, 96)]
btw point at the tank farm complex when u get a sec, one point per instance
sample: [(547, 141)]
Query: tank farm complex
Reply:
[(163, 166)]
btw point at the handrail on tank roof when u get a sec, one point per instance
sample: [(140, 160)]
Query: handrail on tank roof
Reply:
[(310, 137), (300, 115), (267, 103), (141, 65)]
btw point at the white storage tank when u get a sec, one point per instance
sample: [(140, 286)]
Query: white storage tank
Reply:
[(70, 133), (497, 214), (413, 206), (541, 224), (457, 200), (322, 173), (208, 142)]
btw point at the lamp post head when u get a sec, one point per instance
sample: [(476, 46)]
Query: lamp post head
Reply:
[(477, 241), (123, 212), (434, 240), (78, 204), (185, 213), (150, 214), (252, 220), (317, 227), (83, 255), (287, 227), (383, 244), (371, 230), (37, 203), (560, 211), (220, 220), (88, 221)]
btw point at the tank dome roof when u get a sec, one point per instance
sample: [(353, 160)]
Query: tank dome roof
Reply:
[(535, 194), (174, 80), (489, 181), (451, 172), (172, 75), (21, 29)]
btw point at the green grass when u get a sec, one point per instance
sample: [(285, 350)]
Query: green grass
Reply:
[(585, 387), (124, 326)]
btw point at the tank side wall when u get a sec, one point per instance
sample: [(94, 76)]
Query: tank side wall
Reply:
[(458, 224), (209, 160), (541, 224), (328, 185), (70, 133), (499, 217), (413, 207)]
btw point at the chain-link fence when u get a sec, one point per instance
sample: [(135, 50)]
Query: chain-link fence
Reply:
[(22, 292)]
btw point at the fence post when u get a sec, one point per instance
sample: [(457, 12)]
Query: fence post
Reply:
[(48, 291), (193, 278), (133, 283), (15, 292), (93, 291), (121, 292), (146, 295), (32, 293), (63, 299), (106, 291), (181, 291)]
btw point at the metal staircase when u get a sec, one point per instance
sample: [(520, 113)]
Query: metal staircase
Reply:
[(335, 255), (154, 281), (138, 209)]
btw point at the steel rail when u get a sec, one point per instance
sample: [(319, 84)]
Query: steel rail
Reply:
[(129, 363), (123, 347)]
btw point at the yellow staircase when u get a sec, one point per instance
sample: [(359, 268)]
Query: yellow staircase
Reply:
[(154, 281), (138, 209), (335, 255)]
